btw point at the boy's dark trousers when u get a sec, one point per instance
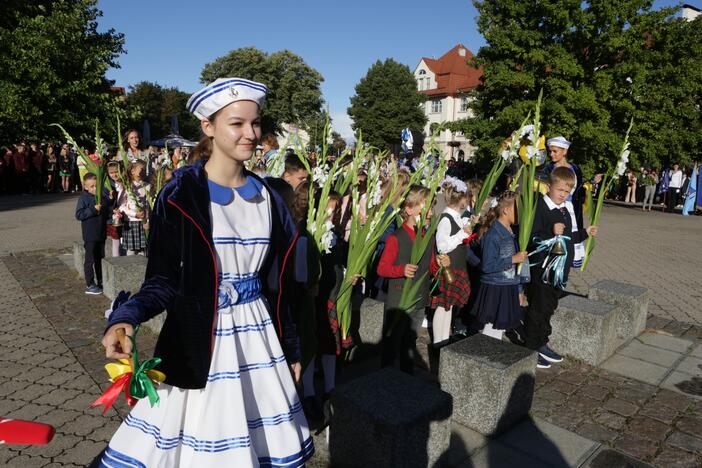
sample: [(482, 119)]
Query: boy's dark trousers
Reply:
[(543, 301), (94, 253), (672, 199), (400, 337)]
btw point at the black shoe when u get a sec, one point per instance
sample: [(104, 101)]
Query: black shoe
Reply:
[(549, 354), (542, 363)]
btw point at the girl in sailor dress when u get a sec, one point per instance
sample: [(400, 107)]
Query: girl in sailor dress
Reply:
[(229, 398)]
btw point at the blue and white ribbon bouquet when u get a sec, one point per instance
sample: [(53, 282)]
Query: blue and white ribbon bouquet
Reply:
[(554, 265)]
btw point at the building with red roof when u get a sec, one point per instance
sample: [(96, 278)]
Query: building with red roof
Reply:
[(446, 82)]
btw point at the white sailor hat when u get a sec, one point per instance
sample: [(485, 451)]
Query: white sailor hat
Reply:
[(558, 142), (224, 91)]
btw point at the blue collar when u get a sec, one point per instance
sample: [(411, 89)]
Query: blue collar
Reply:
[(224, 195)]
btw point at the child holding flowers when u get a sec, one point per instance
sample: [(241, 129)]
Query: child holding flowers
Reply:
[(114, 227), (451, 233), (554, 216), (133, 202), (497, 306), (400, 326)]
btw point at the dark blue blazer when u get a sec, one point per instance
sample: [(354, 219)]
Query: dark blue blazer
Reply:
[(181, 278)]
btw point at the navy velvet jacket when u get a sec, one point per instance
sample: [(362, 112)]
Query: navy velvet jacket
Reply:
[(181, 278)]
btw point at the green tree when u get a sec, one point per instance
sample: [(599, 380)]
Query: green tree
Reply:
[(294, 94), (338, 142), (158, 104), (314, 126), (597, 63), (386, 101), (54, 62)]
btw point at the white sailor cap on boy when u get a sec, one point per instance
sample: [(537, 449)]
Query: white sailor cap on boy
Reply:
[(558, 142), (224, 91)]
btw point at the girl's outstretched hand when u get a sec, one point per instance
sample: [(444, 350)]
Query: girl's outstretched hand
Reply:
[(118, 345)]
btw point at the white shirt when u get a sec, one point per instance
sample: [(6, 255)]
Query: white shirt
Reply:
[(676, 179), (445, 242)]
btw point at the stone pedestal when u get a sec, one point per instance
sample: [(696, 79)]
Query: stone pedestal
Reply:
[(633, 305), (122, 274), (370, 327), (79, 258), (585, 329), (389, 419), (491, 382)]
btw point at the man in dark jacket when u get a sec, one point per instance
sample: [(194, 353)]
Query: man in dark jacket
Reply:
[(93, 220)]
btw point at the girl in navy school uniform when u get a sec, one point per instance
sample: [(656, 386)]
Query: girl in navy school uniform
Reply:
[(219, 263), (497, 305)]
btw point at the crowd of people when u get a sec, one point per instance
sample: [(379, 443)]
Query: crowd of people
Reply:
[(225, 220), (57, 167), (649, 187)]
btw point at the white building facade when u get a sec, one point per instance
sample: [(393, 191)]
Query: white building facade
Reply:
[(446, 82)]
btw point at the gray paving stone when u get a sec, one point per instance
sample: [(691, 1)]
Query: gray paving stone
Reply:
[(497, 455), (636, 369), (697, 351), (684, 383), (464, 443), (552, 445), (670, 343), (652, 354), (690, 365)]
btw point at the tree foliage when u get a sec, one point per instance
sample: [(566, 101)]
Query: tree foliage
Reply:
[(386, 101), (294, 94), (53, 63), (158, 104), (599, 63)]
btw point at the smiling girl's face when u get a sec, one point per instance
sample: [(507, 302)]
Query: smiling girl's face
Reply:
[(235, 130)]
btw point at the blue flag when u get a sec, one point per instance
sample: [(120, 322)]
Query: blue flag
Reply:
[(699, 192), (691, 196)]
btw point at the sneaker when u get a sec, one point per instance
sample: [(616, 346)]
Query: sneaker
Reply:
[(542, 363), (93, 290), (549, 354)]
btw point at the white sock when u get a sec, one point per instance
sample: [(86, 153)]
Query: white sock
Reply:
[(329, 367), (131, 253), (115, 247), (441, 324), (489, 331), (308, 379)]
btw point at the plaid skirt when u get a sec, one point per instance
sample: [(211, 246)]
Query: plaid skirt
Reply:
[(133, 236), (113, 232), (454, 294)]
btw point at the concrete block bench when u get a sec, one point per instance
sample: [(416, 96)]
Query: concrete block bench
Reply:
[(633, 305), (370, 327), (585, 329), (79, 258), (122, 273), (491, 382), (389, 419)]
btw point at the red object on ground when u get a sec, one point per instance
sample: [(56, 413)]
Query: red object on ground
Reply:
[(15, 431)]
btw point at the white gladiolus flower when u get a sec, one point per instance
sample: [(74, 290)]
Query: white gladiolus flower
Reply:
[(527, 132), (621, 168), (625, 156), (531, 152), (506, 156), (319, 175)]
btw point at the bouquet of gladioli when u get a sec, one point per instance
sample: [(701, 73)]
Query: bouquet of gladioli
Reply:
[(425, 233), (528, 196), (96, 167), (604, 187), (505, 157)]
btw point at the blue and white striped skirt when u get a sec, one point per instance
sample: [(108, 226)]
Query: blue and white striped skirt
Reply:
[(248, 414)]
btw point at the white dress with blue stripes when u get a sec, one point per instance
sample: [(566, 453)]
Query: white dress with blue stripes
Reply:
[(249, 413)]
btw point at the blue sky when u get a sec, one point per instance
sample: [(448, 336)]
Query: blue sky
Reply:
[(169, 42)]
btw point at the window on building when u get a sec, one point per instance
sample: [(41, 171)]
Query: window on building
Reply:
[(422, 72), (464, 105), (436, 106)]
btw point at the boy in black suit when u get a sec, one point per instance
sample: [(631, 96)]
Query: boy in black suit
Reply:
[(554, 216)]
